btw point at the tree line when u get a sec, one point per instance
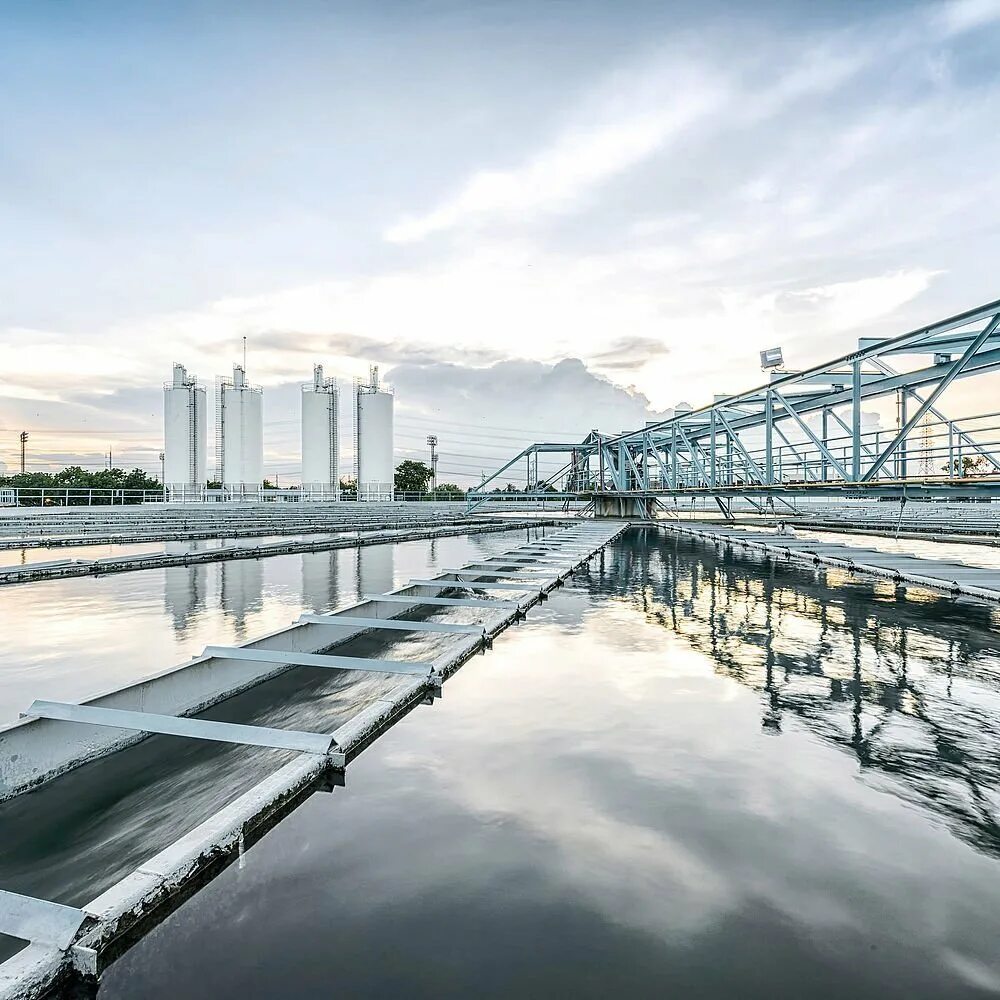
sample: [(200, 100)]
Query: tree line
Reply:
[(410, 477)]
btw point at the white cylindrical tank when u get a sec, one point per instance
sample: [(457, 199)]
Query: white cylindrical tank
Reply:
[(185, 432), (373, 440), (320, 452), (240, 433)]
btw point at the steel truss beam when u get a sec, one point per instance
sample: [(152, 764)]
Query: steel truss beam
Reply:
[(775, 439)]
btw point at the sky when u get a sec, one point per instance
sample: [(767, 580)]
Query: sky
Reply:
[(536, 218)]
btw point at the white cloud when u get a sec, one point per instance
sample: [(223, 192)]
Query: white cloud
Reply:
[(613, 133), (959, 16), (799, 190), (848, 305)]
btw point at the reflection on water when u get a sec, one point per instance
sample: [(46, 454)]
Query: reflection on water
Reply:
[(375, 569), (320, 590), (184, 588), (77, 637), (74, 836), (688, 774), (242, 592), (908, 681)]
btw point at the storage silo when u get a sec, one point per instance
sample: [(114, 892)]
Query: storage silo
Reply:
[(239, 433), (320, 451), (185, 433), (373, 466)]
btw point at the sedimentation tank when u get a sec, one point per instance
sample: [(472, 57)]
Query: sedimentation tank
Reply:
[(373, 459), (239, 425), (185, 432), (320, 451)]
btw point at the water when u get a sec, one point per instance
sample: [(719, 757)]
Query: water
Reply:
[(689, 773), (107, 550), (78, 835), (79, 637)]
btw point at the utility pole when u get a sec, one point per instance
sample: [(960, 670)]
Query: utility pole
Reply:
[(432, 441), (24, 441)]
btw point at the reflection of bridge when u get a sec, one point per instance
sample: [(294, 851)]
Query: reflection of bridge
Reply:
[(801, 434), (912, 690)]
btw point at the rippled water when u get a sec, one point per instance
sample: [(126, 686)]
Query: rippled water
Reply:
[(690, 774)]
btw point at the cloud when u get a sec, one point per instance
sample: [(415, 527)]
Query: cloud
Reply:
[(960, 16), (629, 353), (717, 193), (626, 123), (511, 404), (847, 305), (348, 345)]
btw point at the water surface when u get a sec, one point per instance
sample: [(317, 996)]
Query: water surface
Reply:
[(690, 773)]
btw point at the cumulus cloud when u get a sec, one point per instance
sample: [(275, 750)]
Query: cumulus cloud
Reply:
[(566, 396)]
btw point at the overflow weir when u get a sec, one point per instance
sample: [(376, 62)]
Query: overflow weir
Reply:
[(27, 527), (70, 943), (62, 568), (948, 577)]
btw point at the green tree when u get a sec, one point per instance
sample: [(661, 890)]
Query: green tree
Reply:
[(101, 482), (448, 490), (349, 488), (412, 477), (970, 466)]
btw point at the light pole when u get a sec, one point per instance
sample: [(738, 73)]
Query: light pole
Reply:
[(163, 474), (432, 441), (24, 441)]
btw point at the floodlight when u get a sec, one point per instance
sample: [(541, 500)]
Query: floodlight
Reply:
[(771, 358)]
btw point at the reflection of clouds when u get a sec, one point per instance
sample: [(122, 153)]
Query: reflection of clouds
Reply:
[(975, 973), (663, 805)]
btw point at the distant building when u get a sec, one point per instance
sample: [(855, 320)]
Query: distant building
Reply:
[(239, 433), (185, 431), (320, 434), (373, 444)]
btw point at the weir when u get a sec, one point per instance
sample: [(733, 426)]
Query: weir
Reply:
[(936, 574), (29, 527), (59, 737), (61, 569)]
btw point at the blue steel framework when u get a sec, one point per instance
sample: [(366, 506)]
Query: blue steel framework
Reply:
[(800, 434)]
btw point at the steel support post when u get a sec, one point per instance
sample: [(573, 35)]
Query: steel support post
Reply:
[(856, 422), (712, 479), (769, 438)]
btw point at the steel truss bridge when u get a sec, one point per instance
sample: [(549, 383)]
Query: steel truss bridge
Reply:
[(801, 434)]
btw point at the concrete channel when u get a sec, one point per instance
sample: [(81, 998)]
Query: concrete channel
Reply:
[(951, 578), (25, 529), (69, 944), (60, 569)]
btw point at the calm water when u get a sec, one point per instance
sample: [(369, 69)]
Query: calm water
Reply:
[(76, 638), (76, 836), (688, 774)]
